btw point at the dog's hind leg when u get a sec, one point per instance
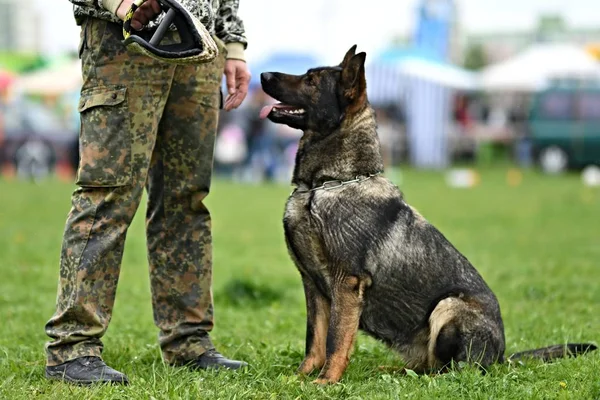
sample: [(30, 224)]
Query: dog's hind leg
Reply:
[(346, 307), (460, 331), (317, 320)]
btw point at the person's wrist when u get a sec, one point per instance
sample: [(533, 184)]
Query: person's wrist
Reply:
[(235, 51), (122, 9), (110, 5)]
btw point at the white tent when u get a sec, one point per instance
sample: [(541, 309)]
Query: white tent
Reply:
[(536, 66), (443, 74), (57, 80)]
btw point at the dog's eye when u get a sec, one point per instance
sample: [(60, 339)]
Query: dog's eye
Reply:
[(310, 80)]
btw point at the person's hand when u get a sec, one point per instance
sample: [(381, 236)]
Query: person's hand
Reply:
[(145, 13), (237, 78)]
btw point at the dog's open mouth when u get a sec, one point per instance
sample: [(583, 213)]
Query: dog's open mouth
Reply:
[(281, 109)]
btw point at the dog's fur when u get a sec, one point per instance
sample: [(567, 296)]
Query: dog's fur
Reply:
[(368, 260)]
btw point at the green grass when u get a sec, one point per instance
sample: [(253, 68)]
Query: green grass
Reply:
[(536, 244)]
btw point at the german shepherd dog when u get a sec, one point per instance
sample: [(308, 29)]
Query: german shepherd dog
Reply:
[(367, 259)]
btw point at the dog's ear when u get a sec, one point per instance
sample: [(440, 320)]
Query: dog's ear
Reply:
[(354, 83), (349, 54)]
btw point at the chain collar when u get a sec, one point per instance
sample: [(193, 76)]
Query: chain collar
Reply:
[(330, 185)]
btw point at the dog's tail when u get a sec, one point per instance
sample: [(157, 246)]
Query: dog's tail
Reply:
[(550, 353)]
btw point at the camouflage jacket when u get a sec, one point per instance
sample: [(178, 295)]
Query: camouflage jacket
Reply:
[(219, 16)]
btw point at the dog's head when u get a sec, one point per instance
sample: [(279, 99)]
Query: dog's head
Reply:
[(321, 98)]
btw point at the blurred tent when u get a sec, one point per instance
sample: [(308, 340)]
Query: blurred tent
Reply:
[(56, 79), (539, 64), (386, 84), (422, 83), (447, 75), (390, 74)]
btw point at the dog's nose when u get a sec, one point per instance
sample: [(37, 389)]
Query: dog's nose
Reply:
[(266, 76)]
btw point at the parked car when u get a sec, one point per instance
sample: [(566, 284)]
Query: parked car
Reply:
[(564, 127)]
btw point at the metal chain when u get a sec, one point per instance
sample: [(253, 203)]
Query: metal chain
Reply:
[(329, 185)]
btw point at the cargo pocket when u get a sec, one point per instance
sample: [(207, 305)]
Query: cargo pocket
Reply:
[(105, 138)]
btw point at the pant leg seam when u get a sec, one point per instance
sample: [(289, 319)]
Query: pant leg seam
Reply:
[(72, 299)]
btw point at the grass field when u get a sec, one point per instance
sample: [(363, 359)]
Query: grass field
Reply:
[(537, 245)]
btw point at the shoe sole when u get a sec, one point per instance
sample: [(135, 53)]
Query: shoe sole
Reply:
[(212, 367), (62, 377)]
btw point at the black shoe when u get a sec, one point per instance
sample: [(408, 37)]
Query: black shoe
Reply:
[(213, 359), (86, 371)]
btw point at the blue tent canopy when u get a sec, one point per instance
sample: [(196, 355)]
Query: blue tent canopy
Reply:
[(287, 62), (398, 54), (389, 73)]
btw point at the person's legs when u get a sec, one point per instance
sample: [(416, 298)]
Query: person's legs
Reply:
[(121, 105), (178, 223)]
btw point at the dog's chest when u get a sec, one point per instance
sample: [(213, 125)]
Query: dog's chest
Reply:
[(304, 239)]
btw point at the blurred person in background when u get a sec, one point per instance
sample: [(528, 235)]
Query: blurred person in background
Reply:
[(1, 134), (260, 138), (287, 140), (230, 151), (3, 99), (147, 124), (388, 132), (461, 111)]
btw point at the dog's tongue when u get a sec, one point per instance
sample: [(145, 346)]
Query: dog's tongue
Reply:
[(265, 111)]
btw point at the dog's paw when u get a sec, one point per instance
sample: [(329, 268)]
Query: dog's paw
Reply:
[(323, 381), (309, 365), (327, 379), (303, 369)]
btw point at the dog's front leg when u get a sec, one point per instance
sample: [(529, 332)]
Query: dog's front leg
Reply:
[(317, 320), (346, 308)]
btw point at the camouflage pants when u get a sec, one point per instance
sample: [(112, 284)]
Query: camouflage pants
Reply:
[(143, 124)]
